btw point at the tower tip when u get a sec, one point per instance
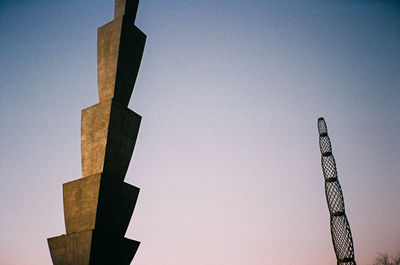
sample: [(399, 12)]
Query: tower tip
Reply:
[(126, 7)]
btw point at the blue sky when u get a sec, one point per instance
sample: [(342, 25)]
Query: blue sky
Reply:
[(227, 157)]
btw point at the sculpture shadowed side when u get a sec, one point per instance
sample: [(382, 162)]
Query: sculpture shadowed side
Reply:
[(98, 207), (340, 228)]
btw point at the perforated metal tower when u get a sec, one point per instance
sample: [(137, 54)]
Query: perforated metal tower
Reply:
[(340, 228)]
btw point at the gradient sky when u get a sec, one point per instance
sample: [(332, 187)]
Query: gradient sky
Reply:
[(227, 157)]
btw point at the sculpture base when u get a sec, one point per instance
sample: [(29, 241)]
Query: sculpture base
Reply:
[(91, 247)]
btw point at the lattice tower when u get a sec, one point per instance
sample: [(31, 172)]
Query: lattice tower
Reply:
[(340, 228)]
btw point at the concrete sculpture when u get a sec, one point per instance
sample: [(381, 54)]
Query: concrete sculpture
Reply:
[(340, 227), (98, 207)]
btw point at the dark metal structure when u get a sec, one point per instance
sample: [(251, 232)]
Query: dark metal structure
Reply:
[(340, 228)]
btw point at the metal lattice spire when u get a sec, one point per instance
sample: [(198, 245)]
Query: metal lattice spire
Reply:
[(340, 228)]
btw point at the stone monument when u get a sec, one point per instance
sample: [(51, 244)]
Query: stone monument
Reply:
[(98, 207)]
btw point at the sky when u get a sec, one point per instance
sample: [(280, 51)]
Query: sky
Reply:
[(227, 156)]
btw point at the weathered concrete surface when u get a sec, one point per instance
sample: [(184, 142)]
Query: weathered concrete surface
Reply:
[(98, 202), (92, 247), (108, 137), (126, 7), (120, 47), (71, 249), (99, 206)]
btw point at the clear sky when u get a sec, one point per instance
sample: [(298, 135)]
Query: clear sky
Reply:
[(227, 157)]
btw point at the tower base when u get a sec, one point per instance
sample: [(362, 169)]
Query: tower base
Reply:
[(91, 247)]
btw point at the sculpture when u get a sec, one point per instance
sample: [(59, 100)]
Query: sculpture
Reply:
[(340, 227), (98, 207)]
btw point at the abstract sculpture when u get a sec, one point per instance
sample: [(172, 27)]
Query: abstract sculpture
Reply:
[(340, 228), (98, 207)]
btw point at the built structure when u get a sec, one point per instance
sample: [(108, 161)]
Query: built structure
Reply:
[(340, 228), (98, 207)]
